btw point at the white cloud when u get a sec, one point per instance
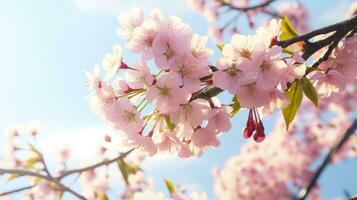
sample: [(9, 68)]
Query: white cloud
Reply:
[(115, 7)]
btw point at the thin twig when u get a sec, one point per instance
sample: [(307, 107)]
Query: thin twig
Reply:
[(94, 166), (17, 190), (306, 191)]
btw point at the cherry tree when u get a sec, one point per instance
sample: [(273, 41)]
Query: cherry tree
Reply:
[(170, 100)]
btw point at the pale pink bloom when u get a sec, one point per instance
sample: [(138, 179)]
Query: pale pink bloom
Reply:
[(148, 195), (190, 116), (143, 142), (233, 73), (168, 142), (124, 116), (129, 21), (166, 94), (253, 95), (156, 15), (247, 47), (203, 138), (190, 70), (219, 120), (269, 35), (199, 49), (139, 76), (143, 38), (184, 151), (271, 68), (173, 39), (329, 82), (291, 73), (346, 59), (120, 86), (277, 100), (112, 62), (297, 14)]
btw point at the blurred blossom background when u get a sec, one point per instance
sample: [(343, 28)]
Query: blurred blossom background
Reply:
[(45, 47)]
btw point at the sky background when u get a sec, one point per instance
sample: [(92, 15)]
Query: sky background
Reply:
[(45, 47)]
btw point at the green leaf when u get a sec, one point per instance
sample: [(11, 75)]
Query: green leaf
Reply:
[(170, 186), (169, 125), (102, 196), (287, 29), (220, 46), (310, 91), (295, 95), (123, 170), (236, 106), (13, 176), (32, 161), (126, 169)]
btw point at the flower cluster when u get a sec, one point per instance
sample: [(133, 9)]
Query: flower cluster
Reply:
[(297, 13), (338, 71), (251, 68), (250, 175), (155, 107)]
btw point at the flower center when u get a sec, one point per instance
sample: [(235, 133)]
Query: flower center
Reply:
[(169, 53)]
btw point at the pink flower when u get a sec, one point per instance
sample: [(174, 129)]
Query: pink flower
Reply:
[(190, 116), (233, 73), (173, 39), (269, 35), (219, 120), (129, 21), (166, 94), (253, 95), (139, 76), (191, 70), (124, 116), (143, 38), (112, 62), (215, 33), (203, 138), (331, 81)]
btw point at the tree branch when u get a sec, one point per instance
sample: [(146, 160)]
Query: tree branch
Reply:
[(305, 192), (17, 190), (91, 167), (246, 8)]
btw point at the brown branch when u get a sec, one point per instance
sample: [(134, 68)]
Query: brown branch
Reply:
[(347, 25), (306, 191), (17, 190), (94, 166), (246, 8)]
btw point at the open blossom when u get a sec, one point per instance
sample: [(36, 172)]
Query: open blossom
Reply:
[(113, 62), (139, 76), (166, 94), (143, 38), (129, 22), (173, 39)]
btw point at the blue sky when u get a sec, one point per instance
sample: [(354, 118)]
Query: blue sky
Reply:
[(46, 45)]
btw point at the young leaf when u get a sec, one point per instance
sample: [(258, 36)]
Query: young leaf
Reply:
[(236, 106), (310, 91), (169, 125), (102, 196), (295, 95), (287, 29), (123, 170), (13, 176), (169, 186), (220, 46), (32, 161)]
